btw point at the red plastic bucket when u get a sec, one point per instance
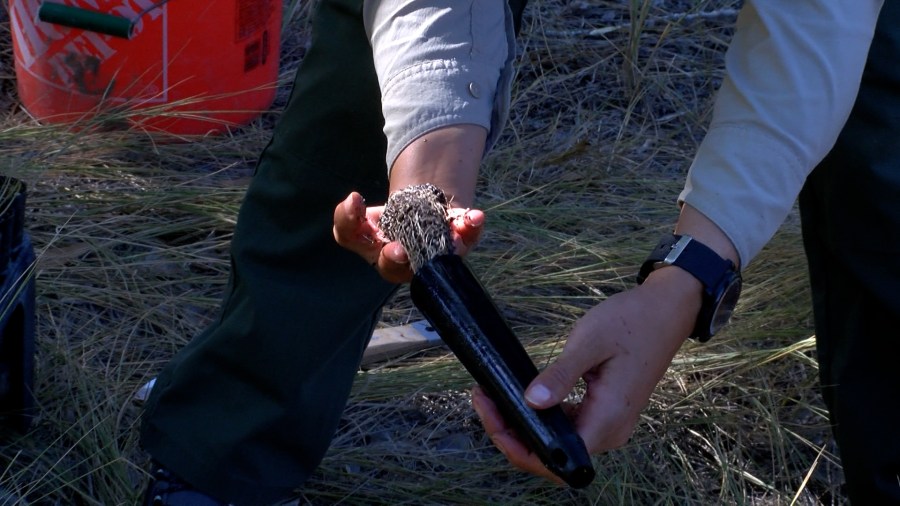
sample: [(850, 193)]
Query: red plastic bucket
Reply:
[(187, 66)]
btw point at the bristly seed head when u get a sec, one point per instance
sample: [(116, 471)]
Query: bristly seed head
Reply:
[(418, 217)]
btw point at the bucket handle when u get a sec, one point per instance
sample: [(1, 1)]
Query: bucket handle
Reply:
[(91, 20)]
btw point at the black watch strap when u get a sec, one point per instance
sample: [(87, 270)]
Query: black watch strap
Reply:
[(702, 262), (719, 277)]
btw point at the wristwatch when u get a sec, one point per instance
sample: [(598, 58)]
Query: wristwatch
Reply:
[(719, 276)]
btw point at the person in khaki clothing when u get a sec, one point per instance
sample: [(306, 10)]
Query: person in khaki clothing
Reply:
[(400, 92)]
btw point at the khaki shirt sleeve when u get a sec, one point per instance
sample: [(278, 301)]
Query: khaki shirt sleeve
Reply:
[(792, 74), (440, 63)]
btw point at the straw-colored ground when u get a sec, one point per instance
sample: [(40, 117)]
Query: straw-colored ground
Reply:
[(611, 101)]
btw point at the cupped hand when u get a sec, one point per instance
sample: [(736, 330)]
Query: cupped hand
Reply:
[(356, 229), (621, 349)]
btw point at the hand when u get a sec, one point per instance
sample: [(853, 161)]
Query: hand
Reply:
[(621, 349), (356, 228)]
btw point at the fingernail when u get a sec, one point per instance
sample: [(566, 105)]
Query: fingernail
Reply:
[(537, 395)]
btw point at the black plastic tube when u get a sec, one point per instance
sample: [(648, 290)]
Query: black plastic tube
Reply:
[(86, 19), (455, 303)]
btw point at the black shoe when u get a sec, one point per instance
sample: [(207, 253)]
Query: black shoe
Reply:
[(166, 489)]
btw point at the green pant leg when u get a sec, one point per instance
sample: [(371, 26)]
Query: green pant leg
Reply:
[(247, 409), (850, 209)]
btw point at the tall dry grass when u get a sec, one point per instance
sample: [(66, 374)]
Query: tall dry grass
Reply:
[(611, 101)]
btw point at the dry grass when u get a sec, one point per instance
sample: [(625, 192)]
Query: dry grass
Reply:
[(611, 101)]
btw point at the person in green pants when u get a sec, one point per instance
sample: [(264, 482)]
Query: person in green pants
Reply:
[(246, 411)]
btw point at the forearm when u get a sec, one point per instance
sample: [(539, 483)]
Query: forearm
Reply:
[(448, 157), (444, 69)]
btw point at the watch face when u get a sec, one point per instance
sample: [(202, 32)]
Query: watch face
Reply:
[(722, 312)]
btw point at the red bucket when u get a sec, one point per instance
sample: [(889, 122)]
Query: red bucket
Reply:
[(185, 67)]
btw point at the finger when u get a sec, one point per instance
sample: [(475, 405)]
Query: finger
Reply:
[(505, 439), (467, 225), (350, 212), (580, 355), (557, 380), (606, 418), (393, 263), (355, 228), (351, 228), (617, 392), (484, 406)]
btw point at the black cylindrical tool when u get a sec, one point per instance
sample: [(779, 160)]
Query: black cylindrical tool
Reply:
[(455, 303)]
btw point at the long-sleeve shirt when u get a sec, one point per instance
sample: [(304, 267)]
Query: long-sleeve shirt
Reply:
[(440, 63), (793, 70), (792, 73)]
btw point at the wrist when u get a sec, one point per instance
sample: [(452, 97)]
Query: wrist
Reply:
[(677, 295), (719, 280), (448, 157)]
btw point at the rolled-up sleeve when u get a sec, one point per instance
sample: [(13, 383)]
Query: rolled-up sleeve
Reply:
[(792, 74), (440, 63)]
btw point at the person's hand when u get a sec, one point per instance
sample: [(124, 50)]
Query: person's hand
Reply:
[(356, 228), (621, 349)]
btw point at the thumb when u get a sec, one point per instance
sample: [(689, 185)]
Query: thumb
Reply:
[(554, 383)]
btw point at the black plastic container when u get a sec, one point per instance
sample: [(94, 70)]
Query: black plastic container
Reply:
[(453, 300), (16, 309)]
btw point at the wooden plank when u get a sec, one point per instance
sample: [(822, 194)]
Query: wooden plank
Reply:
[(386, 344), (392, 342)]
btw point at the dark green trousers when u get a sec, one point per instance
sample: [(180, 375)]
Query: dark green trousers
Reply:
[(850, 209), (246, 411)]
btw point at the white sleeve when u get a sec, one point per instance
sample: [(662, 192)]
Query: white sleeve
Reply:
[(792, 74)]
